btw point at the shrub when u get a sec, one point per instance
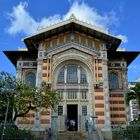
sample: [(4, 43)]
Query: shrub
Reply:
[(12, 132)]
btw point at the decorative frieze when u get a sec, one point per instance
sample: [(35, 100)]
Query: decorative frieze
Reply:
[(116, 64), (27, 64)]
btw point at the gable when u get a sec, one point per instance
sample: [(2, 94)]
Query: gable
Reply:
[(72, 49)]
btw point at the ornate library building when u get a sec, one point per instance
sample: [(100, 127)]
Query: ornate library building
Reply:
[(82, 63)]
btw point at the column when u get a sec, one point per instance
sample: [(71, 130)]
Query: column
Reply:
[(54, 125), (19, 73), (90, 100), (38, 83), (72, 37), (64, 38), (65, 74), (125, 86), (87, 41), (80, 38), (106, 95), (78, 74)]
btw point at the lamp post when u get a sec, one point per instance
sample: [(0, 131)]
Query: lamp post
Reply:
[(90, 128), (4, 125), (91, 125), (54, 127)]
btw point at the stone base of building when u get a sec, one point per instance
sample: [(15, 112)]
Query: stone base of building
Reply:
[(107, 134)]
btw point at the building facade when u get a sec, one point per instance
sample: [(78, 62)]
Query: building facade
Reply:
[(80, 61), (134, 110)]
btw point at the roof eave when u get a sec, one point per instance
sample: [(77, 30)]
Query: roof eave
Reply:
[(129, 56), (30, 41)]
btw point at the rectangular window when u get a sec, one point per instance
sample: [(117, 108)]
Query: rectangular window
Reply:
[(61, 39), (76, 37), (83, 79), (47, 43), (83, 39), (72, 94), (61, 77), (84, 110), (72, 74), (60, 92), (84, 94), (60, 110), (68, 36), (54, 41), (90, 41)]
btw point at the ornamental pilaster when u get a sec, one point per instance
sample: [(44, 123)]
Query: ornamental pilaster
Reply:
[(38, 83), (106, 95)]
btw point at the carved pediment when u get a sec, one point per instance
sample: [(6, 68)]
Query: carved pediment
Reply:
[(73, 49), (72, 53)]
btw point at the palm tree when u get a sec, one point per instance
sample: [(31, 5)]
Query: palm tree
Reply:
[(134, 94)]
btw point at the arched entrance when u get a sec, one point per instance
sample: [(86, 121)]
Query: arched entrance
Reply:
[(73, 82)]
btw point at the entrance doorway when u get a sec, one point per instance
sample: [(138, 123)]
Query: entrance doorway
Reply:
[(72, 115)]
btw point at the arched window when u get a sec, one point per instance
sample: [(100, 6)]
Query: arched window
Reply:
[(60, 79), (72, 76), (113, 81), (30, 79)]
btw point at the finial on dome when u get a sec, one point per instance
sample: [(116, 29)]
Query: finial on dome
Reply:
[(72, 16)]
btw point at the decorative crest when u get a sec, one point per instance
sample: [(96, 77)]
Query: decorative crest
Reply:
[(72, 16)]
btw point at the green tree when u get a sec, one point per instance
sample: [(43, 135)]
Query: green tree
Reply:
[(7, 85), (133, 94), (23, 97)]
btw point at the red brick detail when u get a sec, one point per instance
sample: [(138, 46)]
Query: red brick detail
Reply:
[(99, 68), (116, 95), (99, 105), (122, 116), (121, 102), (44, 67), (118, 116), (99, 113), (98, 89), (25, 122), (118, 122), (45, 60), (45, 121), (115, 92), (100, 75), (100, 61), (117, 108), (116, 102), (100, 121), (99, 97), (44, 75), (45, 112), (30, 115)]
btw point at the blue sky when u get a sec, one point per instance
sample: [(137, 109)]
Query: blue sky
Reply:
[(19, 19)]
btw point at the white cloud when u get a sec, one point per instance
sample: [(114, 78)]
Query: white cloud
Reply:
[(123, 38), (22, 21), (86, 13)]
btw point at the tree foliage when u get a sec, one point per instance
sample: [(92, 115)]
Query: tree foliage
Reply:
[(23, 97), (133, 94), (48, 98), (7, 86)]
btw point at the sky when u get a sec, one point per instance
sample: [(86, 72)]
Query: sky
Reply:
[(19, 19)]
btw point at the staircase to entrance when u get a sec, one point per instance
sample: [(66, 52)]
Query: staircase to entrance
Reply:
[(74, 135)]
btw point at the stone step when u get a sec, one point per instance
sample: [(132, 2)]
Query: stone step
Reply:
[(73, 135)]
